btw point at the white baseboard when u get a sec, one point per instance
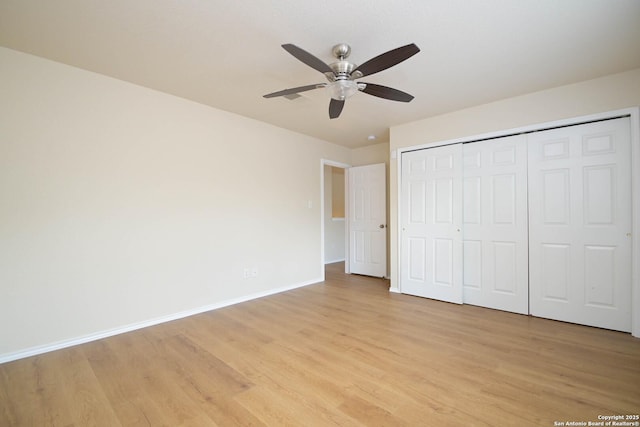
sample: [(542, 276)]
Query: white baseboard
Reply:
[(34, 351), (394, 290), (334, 261)]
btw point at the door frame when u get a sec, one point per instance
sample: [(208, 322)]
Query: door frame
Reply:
[(634, 116), (345, 166)]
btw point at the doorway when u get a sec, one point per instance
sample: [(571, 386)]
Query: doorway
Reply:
[(363, 227), (333, 214)]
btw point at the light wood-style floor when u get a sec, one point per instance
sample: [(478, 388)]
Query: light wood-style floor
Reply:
[(345, 353)]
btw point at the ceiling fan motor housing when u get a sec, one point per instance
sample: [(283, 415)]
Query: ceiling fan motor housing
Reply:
[(342, 68)]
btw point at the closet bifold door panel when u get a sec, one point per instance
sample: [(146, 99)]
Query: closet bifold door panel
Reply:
[(580, 224), (431, 221), (495, 230)]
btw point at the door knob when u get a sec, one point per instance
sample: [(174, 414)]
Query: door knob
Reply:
[(381, 226)]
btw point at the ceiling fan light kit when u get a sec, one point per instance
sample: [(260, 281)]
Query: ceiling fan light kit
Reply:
[(343, 89), (342, 75)]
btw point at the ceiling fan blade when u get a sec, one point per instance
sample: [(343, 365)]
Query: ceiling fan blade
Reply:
[(294, 90), (335, 108), (386, 92), (386, 60), (304, 56)]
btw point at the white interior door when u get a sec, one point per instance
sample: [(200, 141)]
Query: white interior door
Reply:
[(431, 242), (580, 224), (368, 220), (495, 229)]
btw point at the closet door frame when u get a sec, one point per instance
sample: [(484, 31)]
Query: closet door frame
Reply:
[(634, 116)]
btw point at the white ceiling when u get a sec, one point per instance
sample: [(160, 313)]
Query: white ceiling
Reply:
[(227, 54)]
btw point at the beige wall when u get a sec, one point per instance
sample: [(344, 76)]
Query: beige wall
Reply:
[(370, 155), (120, 205), (590, 97)]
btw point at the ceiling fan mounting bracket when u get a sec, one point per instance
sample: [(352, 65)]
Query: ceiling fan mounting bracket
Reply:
[(341, 51)]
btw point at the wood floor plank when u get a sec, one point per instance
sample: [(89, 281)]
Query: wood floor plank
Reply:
[(156, 372), (89, 406), (207, 366), (344, 352), (105, 361), (8, 409)]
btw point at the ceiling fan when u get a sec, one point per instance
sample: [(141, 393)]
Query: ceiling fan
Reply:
[(342, 75)]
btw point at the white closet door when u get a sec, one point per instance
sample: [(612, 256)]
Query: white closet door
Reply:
[(580, 224), (495, 229), (431, 221)]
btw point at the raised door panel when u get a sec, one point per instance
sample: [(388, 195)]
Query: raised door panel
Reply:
[(555, 196), (555, 268)]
